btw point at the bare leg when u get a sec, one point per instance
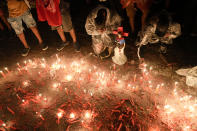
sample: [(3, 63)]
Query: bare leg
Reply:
[(143, 21), (4, 19), (131, 14), (61, 34), (23, 40), (72, 33), (37, 34)]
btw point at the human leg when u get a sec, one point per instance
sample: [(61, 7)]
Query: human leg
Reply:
[(75, 42), (16, 24), (30, 22), (143, 20), (37, 34), (67, 27), (61, 33), (73, 35), (2, 16), (63, 38), (131, 14)]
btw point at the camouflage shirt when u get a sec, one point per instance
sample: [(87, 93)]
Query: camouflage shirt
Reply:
[(104, 39), (149, 35)]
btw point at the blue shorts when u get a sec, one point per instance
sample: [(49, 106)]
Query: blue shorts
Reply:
[(16, 22)]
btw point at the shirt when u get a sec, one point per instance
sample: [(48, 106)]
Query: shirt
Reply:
[(16, 8), (48, 10)]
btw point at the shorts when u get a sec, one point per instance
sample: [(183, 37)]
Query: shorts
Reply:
[(16, 22), (66, 23), (66, 20), (56, 27)]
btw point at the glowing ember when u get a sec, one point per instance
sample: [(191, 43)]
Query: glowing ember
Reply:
[(68, 77), (87, 115), (72, 115), (60, 114), (142, 100), (26, 83), (55, 85)]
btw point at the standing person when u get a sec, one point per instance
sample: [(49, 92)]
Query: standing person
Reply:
[(67, 22), (58, 18), (18, 13), (100, 24), (48, 10), (130, 5)]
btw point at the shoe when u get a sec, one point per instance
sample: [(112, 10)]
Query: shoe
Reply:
[(62, 45), (77, 47), (44, 46), (25, 51)]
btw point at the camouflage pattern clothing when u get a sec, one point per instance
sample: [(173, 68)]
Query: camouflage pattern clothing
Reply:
[(105, 39), (149, 35)]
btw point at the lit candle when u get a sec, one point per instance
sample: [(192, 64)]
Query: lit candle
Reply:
[(6, 69), (134, 78), (2, 74), (18, 65), (72, 115)]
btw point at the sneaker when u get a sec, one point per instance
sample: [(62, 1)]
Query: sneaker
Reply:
[(62, 45), (25, 51), (77, 47), (44, 46)]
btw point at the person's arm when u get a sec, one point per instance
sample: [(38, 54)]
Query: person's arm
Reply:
[(143, 36)]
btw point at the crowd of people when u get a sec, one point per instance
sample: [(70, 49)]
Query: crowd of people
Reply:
[(100, 24)]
